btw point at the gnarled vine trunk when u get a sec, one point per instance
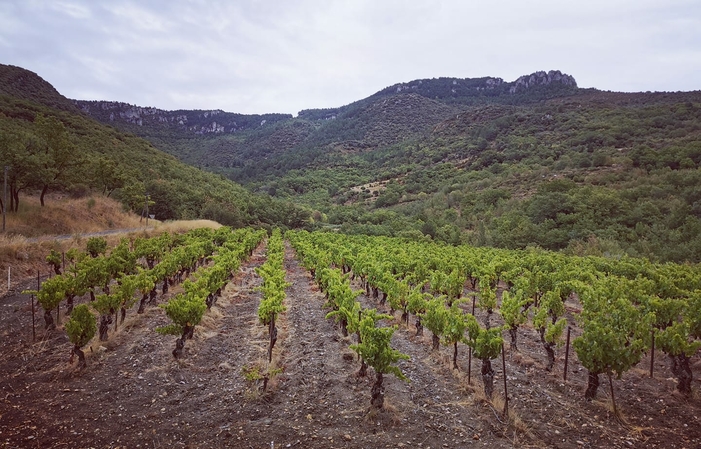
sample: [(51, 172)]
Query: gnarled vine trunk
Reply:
[(455, 355), (48, 320), (105, 321), (69, 305), (273, 339), (419, 327), (81, 356), (377, 399), (513, 333), (488, 378), (142, 304), (548, 350), (592, 386), (152, 295), (682, 370), (179, 345), (363, 369), (436, 342)]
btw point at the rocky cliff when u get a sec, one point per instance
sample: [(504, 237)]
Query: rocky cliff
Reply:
[(541, 79), (188, 121)]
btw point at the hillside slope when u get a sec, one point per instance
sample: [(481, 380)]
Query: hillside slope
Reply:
[(474, 160), (61, 149)]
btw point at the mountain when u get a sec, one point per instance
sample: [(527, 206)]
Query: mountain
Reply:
[(51, 146), (247, 147), (537, 161), (22, 84)]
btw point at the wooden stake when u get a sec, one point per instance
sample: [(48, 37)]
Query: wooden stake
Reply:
[(469, 353), (652, 353), (34, 334), (506, 393), (567, 353), (613, 398)]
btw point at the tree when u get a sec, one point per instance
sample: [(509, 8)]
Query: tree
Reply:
[(106, 305), (676, 320), (22, 153), (61, 156), (81, 329), (107, 175)]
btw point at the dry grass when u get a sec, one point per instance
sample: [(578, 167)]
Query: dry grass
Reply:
[(62, 216), (184, 225), (67, 216)]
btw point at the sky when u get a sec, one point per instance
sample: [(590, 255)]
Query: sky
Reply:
[(255, 56)]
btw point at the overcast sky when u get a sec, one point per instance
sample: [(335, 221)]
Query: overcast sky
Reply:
[(253, 56)]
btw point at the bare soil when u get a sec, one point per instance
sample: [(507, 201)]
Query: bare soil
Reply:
[(134, 394)]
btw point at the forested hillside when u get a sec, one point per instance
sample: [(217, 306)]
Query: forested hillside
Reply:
[(537, 161), (50, 146)]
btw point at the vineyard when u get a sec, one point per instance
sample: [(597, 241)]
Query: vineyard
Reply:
[(236, 338)]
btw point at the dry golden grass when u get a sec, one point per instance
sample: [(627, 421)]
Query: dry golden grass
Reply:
[(23, 255), (62, 216), (184, 225)]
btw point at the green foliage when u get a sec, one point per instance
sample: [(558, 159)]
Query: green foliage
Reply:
[(486, 343), (184, 310), (455, 325), (52, 292), (81, 326), (512, 309), (615, 332), (375, 348), (274, 285), (547, 317), (106, 304), (435, 318), (677, 339), (55, 259), (96, 246), (417, 301)]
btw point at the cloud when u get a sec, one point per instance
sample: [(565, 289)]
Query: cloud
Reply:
[(255, 56)]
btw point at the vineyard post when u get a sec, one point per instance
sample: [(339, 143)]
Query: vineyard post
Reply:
[(567, 353), (613, 398), (34, 335), (652, 353), (63, 261), (469, 351), (8, 279), (38, 288), (506, 393), (4, 204)]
